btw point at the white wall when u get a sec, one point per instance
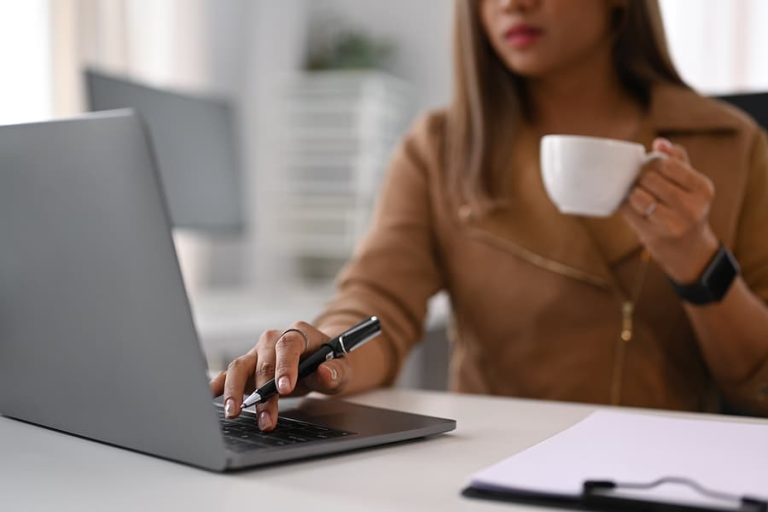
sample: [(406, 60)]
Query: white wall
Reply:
[(25, 88), (719, 46), (275, 33)]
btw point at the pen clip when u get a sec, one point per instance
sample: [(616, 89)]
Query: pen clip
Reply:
[(339, 349), (356, 337)]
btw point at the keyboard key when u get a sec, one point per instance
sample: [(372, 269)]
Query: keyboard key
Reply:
[(242, 433)]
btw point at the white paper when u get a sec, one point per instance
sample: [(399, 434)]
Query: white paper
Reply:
[(722, 456)]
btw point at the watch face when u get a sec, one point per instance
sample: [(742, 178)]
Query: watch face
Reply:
[(714, 281), (720, 274)]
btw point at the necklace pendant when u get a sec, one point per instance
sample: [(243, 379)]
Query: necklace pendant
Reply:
[(627, 309)]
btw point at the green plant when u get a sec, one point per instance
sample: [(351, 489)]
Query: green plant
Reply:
[(348, 50)]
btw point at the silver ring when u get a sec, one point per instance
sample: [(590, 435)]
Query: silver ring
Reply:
[(650, 209), (306, 340)]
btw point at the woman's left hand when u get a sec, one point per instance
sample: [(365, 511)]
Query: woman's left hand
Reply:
[(668, 208)]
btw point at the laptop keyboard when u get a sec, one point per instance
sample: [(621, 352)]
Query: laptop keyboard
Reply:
[(242, 433)]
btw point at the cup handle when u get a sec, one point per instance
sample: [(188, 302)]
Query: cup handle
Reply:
[(654, 155)]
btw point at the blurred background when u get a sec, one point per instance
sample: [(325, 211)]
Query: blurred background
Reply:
[(273, 122)]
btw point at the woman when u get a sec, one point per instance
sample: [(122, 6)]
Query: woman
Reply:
[(547, 305)]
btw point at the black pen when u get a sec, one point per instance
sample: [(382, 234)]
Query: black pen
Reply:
[(351, 339)]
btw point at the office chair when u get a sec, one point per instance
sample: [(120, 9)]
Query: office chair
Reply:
[(754, 104)]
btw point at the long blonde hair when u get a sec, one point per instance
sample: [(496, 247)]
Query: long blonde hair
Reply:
[(488, 98)]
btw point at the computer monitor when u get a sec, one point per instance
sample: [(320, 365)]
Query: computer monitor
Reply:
[(754, 104), (195, 144)]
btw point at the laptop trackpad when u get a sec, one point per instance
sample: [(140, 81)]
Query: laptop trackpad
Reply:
[(361, 419)]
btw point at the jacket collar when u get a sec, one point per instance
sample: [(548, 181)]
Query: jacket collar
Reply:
[(534, 230)]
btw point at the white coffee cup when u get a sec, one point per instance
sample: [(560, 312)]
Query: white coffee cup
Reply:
[(589, 175)]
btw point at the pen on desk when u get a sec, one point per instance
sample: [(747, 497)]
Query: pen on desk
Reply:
[(351, 339)]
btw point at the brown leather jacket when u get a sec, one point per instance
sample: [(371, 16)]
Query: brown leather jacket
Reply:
[(536, 295)]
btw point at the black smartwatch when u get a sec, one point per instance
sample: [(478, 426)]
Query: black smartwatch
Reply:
[(714, 282)]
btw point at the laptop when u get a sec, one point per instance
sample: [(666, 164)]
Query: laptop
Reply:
[(196, 146), (96, 334)]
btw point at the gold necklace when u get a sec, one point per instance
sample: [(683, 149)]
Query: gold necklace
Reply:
[(628, 306)]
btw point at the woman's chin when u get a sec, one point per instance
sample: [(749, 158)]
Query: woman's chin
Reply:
[(528, 68), (528, 64)]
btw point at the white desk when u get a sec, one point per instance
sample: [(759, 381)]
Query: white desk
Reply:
[(45, 470)]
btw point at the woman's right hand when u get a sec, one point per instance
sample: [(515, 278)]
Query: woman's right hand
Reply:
[(276, 356)]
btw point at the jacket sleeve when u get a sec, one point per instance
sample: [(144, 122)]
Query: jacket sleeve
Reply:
[(395, 270), (751, 250)]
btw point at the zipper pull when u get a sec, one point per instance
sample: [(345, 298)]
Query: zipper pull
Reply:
[(627, 310)]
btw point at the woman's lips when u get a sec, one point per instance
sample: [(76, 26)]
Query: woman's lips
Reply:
[(522, 35)]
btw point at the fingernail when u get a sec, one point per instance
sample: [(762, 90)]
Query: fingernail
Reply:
[(264, 420), (283, 384), (334, 373), (229, 407)]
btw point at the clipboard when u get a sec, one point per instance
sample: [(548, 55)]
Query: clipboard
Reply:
[(600, 495), (626, 461)]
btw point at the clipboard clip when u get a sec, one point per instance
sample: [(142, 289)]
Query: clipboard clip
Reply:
[(600, 494)]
